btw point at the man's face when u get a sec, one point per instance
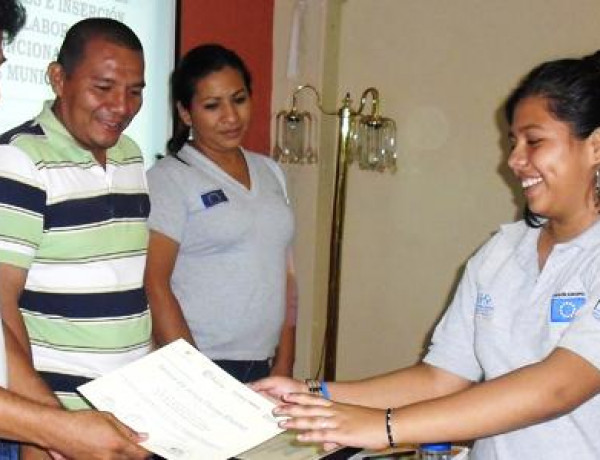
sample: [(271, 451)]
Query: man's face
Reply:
[(101, 96)]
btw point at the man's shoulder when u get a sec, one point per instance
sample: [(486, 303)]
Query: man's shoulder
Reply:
[(18, 163), (127, 143), (34, 139), (14, 159), (30, 128), (126, 150)]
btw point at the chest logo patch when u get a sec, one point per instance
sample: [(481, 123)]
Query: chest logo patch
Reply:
[(213, 198), (564, 308)]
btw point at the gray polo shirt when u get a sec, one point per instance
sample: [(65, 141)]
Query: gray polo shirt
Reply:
[(507, 314), (230, 273)]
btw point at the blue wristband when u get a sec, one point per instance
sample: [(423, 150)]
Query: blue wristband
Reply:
[(325, 390)]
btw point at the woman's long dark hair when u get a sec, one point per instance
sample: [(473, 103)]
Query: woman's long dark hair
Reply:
[(572, 89), (194, 66)]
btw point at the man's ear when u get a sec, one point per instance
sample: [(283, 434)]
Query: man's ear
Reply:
[(56, 76), (184, 114)]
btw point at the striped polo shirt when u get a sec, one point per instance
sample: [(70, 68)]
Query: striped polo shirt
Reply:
[(80, 231)]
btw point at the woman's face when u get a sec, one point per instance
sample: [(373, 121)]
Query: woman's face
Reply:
[(220, 111), (555, 168)]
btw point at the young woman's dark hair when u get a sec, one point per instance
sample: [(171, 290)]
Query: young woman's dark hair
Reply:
[(77, 37), (572, 89), (12, 18), (194, 66)]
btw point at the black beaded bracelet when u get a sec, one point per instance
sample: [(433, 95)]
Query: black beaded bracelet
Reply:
[(388, 427)]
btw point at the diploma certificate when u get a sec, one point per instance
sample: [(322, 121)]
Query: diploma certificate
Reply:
[(190, 407)]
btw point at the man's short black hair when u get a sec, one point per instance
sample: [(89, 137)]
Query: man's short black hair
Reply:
[(12, 18), (80, 34)]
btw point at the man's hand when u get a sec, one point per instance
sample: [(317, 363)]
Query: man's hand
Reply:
[(95, 435), (29, 452)]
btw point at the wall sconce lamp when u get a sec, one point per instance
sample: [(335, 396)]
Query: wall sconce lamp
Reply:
[(294, 134), (363, 136)]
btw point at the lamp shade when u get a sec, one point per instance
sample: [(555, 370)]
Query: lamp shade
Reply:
[(375, 143)]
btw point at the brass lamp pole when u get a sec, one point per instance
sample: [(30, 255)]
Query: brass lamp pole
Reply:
[(337, 232), (373, 145)]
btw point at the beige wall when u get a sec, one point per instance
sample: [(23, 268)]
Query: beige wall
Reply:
[(310, 186), (443, 68)]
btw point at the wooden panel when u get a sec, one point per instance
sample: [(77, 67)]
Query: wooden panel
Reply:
[(245, 26)]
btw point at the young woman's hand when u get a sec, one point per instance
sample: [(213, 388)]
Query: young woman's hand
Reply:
[(324, 421), (276, 387)]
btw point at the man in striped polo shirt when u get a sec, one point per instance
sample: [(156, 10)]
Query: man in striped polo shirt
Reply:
[(73, 212), (82, 434)]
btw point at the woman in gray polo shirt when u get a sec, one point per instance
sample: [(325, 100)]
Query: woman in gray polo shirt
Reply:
[(515, 361), (219, 271)]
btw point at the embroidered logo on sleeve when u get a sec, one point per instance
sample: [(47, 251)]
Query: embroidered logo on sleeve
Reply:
[(213, 198), (484, 306), (564, 307)]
